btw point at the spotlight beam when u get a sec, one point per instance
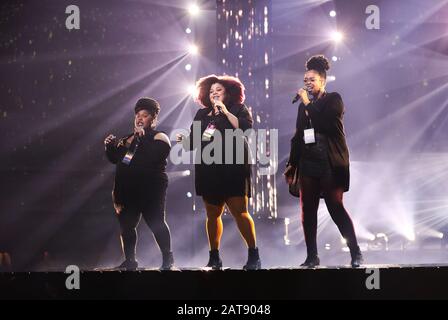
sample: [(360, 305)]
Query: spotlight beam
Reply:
[(68, 160), (49, 126), (379, 125)]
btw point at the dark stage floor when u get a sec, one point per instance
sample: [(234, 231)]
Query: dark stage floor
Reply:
[(385, 282)]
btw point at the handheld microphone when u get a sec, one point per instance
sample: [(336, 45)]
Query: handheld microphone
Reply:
[(296, 98), (215, 99)]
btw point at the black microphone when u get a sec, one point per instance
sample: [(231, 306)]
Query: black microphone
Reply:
[(219, 107), (296, 98)]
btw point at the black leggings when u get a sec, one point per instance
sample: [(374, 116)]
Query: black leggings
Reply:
[(310, 191), (153, 212)]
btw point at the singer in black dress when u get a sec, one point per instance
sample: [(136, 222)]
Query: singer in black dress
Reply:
[(320, 154), (221, 183), (141, 182)]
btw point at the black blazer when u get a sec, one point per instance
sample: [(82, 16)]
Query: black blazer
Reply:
[(326, 114)]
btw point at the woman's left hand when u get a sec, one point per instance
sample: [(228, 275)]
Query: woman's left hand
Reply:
[(219, 106), (139, 131), (289, 174)]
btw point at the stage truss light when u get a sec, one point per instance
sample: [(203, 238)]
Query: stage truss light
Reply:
[(194, 10), (337, 36), (193, 49)]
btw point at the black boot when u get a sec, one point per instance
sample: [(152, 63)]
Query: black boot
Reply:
[(357, 258), (168, 261), (311, 261), (253, 260), (214, 261), (129, 243), (128, 265)]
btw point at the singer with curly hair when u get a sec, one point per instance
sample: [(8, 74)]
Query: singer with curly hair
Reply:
[(221, 183), (319, 157)]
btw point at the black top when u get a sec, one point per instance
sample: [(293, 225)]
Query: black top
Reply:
[(146, 170), (221, 179), (326, 116), (314, 161)]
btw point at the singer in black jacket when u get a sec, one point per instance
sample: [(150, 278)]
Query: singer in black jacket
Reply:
[(141, 182), (320, 154)]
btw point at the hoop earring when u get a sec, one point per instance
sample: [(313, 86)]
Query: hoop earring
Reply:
[(154, 123)]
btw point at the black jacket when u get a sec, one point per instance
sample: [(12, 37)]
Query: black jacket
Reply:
[(145, 174), (326, 115)]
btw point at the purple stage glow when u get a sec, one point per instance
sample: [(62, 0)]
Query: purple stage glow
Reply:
[(62, 91)]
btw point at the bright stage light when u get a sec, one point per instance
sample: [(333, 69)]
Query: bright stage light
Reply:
[(331, 78), (188, 67), (192, 91), (334, 58), (371, 237), (431, 233), (193, 49), (379, 242), (186, 173), (337, 36), (410, 236), (188, 31), (332, 13), (189, 194), (193, 9), (382, 235)]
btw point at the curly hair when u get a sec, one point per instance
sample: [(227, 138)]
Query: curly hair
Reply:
[(233, 86), (318, 63)]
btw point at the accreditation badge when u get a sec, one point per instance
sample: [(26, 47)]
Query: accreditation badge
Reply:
[(128, 157), (209, 132), (308, 136)]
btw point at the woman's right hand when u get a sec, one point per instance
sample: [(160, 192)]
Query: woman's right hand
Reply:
[(118, 208), (303, 94), (179, 138), (289, 174), (110, 139)]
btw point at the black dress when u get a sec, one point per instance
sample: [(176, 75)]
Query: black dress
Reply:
[(222, 179), (329, 155)]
